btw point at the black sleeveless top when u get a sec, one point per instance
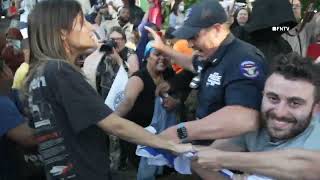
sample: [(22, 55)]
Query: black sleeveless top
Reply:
[(142, 111)]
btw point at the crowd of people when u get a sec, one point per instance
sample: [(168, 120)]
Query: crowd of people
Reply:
[(231, 87)]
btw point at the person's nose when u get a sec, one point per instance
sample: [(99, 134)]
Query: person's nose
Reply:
[(281, 110)]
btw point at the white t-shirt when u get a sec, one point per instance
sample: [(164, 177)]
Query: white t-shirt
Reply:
[(116, 3)]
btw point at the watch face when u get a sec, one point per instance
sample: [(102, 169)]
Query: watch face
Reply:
[(182, 133)]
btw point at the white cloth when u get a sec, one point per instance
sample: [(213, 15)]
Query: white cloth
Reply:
[(116, 3), (181, 163), (85, 5), (256, 177), (27, 6), (5, 4), (116, 93), (157, 157), (24, 33), (90, 66)]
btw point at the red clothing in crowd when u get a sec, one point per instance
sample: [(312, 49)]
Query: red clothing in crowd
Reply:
[(155, 15), (314, 50), (13, 10)]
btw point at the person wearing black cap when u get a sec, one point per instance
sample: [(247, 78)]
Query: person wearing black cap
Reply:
[(231, 76)]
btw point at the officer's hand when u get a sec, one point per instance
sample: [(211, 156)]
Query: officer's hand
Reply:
[(158, 43), (170, 134)]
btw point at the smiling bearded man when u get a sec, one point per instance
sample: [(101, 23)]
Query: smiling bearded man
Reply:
[(287, 146)]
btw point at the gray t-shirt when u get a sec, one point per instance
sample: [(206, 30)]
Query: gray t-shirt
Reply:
[(260, 140)]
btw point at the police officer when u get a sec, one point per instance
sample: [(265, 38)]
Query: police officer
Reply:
[(232, 75)]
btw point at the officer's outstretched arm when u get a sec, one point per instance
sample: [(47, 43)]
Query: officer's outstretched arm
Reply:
[(227, 122), (178, 58)]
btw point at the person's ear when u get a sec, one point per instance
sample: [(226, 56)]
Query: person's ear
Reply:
[(217, 27)]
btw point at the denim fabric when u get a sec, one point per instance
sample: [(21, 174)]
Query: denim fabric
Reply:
[(161, 120)]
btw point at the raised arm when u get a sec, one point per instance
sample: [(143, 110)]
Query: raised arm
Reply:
[(178, 58)]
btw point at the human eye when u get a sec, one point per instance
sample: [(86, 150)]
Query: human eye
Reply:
[(273, 99), (295, 103)]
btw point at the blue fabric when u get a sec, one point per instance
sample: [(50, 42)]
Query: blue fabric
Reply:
[(148, 172), (161, 120), (154, 152), (91, 17), (9, 115), (142, 44), (149, 48), (23, 25), (14, 96)]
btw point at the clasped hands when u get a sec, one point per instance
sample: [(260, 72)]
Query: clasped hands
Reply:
[(205, 157)]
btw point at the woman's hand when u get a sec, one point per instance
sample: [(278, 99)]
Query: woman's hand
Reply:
[(162, 88), (116, 57), (181, 148), (170, 103)]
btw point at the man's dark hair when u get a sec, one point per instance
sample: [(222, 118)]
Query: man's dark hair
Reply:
[(132, 3), (175, 7), (294, 67)]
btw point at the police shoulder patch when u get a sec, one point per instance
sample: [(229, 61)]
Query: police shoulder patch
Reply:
[(249, 69)]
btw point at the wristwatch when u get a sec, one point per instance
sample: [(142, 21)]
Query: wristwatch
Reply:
[(182, 132)]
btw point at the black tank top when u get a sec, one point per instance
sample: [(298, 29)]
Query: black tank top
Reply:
[(142, 111)]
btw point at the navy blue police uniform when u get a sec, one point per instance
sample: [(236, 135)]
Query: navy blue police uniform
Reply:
[(234, 75)]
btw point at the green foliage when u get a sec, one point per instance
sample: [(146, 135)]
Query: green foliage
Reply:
[(306, 2), (188, 3)]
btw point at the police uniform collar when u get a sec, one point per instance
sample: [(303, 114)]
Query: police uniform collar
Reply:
[(216, 57)]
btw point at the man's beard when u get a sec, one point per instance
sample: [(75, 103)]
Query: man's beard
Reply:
[(297, 125)]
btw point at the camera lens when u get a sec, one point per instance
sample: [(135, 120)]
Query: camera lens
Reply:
[(108, 46)]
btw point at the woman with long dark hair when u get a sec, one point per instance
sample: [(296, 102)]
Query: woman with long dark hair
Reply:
[(241, 17), (176, 16), (69, 117)]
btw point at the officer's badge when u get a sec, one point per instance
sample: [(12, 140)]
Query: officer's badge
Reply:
[(249, 69)]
